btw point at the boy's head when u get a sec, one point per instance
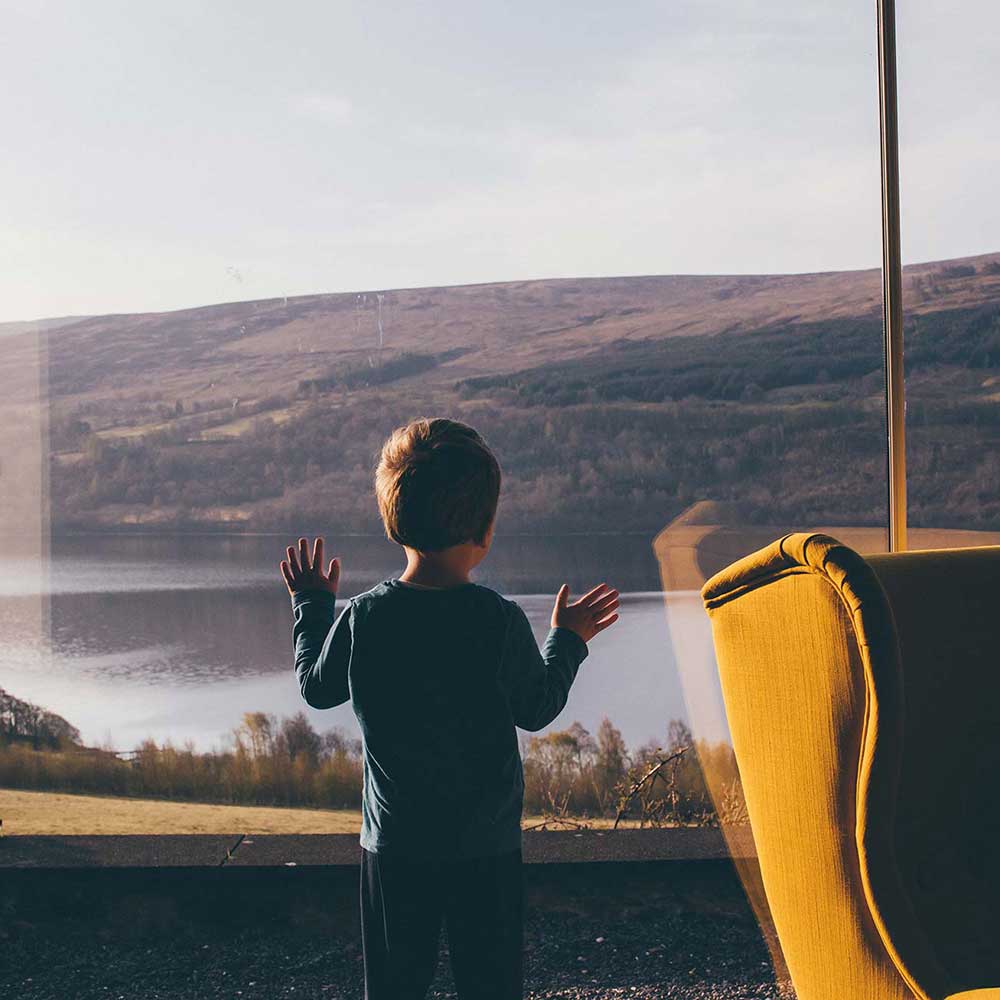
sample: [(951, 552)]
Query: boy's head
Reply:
[(437, 485)]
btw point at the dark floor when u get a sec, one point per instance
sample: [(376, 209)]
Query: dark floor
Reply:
[(646, 929)]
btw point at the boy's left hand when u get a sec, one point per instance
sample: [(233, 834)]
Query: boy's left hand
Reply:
[(304, 573)]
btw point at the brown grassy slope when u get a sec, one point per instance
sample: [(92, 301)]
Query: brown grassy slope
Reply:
[(249, 350), (27, 813)]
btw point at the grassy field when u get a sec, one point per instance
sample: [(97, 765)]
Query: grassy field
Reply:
[(28, 813), (54, 813)]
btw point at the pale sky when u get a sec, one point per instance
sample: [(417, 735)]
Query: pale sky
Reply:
[(164, 155)]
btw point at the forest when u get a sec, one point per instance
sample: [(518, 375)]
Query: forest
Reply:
[(786, 420)]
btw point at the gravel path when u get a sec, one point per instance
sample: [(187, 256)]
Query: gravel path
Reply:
[(655, 952)]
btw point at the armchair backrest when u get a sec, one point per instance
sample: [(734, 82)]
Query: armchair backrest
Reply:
[(946, 609), (829, 723)]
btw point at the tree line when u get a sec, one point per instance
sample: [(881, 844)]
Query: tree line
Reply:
[(27, 724), (287, 762)]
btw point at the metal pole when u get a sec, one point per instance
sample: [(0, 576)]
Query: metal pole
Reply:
[(892, 275)]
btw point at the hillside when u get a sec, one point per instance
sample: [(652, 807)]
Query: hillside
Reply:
[(252, 349), (629, 396)]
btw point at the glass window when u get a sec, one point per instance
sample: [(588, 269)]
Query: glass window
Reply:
[(639, 253), (950, 220)]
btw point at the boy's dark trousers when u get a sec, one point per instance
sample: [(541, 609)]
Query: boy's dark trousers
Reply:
[(403, 903)]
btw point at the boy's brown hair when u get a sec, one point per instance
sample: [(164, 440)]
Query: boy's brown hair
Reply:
[(437, 485)]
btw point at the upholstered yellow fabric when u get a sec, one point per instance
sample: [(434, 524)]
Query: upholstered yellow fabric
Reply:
[(815, 686), (976, 995)]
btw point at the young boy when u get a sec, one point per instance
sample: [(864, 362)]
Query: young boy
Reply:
[(439, 671)]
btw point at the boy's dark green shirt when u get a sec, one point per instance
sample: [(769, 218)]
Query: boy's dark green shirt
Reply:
[(438, 680)]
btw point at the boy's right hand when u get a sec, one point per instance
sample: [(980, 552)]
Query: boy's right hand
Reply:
[(593, 613), (304, 573)]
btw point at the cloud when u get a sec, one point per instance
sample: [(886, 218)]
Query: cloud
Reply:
[(325, 107)]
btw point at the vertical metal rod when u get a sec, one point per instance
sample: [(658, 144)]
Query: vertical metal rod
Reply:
[(892, 275)]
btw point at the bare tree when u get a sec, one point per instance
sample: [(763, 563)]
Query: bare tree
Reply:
[(300, 739), (255, 735)]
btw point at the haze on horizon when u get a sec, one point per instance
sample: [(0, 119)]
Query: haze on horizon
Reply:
[(167, 157)]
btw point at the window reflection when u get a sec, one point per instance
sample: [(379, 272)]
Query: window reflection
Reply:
[(949, 219)]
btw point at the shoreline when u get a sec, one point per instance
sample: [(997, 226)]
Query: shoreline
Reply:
[(58, 534)]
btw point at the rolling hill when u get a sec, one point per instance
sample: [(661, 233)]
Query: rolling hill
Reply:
[(613, 402)]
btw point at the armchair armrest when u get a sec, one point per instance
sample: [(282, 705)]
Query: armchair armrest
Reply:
[(993, 994)]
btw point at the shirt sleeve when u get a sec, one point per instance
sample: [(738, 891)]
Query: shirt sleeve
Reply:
[(538, 682), (322, 648)]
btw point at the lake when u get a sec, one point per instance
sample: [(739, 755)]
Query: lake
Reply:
[(175, 637)]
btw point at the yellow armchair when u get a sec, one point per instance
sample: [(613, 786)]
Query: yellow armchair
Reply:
[(863, 699)]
